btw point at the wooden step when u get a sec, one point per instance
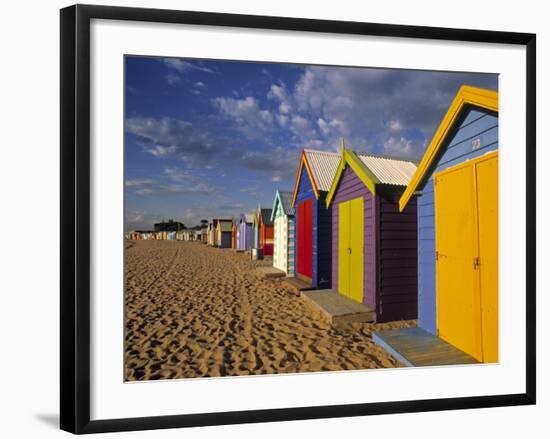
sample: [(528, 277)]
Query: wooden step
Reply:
[(269, 272), (338, 309), (296, 285)]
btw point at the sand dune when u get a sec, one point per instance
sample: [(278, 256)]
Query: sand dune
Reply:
[(195, 311)]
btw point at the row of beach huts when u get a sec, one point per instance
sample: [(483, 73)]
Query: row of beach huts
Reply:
[(165, 235), (406, 240)]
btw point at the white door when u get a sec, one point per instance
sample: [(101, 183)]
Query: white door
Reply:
[(279, 255)]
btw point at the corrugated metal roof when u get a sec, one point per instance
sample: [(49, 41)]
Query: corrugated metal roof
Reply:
[(286, 202), (389, 171), (323, 165)]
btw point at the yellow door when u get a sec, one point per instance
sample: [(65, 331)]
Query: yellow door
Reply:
[(458, 313), (350, 248), (356, 244), (466, 227), (343, 247), (487, 207)]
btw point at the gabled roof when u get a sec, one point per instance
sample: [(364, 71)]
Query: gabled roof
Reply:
[(466, 97), (285, 199), (265, 216), (321, 167), (372, 171), (248, 217)]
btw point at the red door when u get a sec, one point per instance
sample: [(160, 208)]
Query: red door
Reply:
[(305, 238)]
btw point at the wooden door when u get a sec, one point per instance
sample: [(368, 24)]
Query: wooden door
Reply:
[(279, 248), (487, 208), (305, 238), (350, 248), (466, 231), (344, 248)]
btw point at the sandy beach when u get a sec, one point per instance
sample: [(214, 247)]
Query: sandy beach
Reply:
[(196, 311)]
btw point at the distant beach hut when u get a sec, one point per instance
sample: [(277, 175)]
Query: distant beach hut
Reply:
[(245, 232), (456, 185), (223, 233), (313, 219), (233, 234), (135, 235), (282, 217), (373, 245), (180, 236), (212, 228), (263, 231), (171, 236)]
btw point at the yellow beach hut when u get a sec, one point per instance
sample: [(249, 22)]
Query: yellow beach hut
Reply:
[(456, 187)]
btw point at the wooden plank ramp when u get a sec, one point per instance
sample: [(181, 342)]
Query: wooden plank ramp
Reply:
[(336, 308), (269, 272), (417, 347)]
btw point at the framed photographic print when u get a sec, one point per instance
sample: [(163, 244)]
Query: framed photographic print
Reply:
[(268, 218)]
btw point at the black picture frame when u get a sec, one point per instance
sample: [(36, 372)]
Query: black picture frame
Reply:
[(75, 217)]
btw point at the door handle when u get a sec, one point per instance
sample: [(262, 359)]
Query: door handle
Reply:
[(349, 250), (476, 263)]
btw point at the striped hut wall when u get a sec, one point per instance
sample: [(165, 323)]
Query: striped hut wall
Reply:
[(290, 246), (397, 298), (349, 187), (477, 134)]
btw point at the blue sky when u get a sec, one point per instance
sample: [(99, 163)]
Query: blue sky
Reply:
[(208, 139)]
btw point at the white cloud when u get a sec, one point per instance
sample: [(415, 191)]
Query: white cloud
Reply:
[(149, 186), (282, 119), (284, 107), (399, 146), (173, 79), (246, 112), (394, 125), (277, 92), (194, 144), (373, 107), (278, 163), (323, 126), (301, 126), (183, 66)]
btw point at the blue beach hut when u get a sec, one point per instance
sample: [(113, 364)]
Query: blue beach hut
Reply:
[(313, 219)]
